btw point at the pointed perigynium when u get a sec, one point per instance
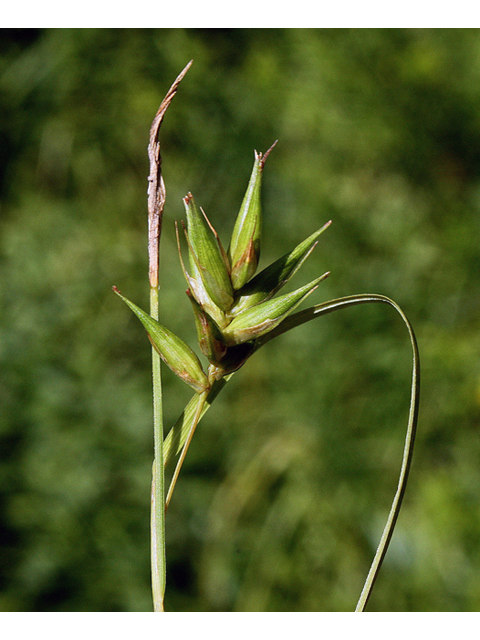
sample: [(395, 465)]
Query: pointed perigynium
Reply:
[(206, 260), (174, 352), (197, 288), (258, 320), (244, 249)]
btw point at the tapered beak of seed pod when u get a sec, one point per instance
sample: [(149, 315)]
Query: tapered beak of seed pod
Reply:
[(244, 249), (174, 352)]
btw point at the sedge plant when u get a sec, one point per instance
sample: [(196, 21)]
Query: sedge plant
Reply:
[(236, 311)]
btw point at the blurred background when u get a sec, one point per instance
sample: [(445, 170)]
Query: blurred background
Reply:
[(289, 479)]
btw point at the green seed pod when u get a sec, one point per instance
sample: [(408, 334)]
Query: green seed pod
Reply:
[(266, 284), (206, 258), (244, 250), (198, 291), (209, 337), (174, 352), (258, 320)]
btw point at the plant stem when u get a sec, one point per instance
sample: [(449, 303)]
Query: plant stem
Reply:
[(156, 202), (157, 522)]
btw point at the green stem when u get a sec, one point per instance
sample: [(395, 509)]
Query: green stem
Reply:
[(157, 521), (156, 203)]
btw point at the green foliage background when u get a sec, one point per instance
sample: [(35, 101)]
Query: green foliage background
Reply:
[(289, 479)]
